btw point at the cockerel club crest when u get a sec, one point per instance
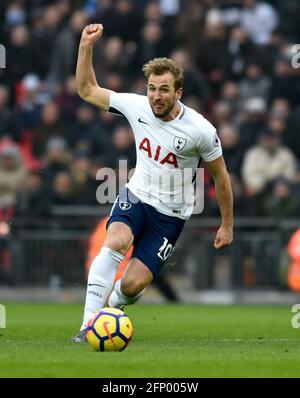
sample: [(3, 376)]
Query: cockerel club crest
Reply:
[(179, 143)]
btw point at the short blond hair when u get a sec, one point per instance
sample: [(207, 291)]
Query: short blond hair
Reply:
[(159, 66)]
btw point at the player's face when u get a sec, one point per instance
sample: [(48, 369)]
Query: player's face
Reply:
[(162, 95)]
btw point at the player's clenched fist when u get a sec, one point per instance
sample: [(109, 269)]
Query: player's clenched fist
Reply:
[(91, 33)]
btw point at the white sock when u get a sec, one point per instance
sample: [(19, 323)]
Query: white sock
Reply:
[(117, 298), (100, 281)]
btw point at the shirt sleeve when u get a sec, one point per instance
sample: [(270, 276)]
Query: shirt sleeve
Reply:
[(123, 103), (209, 144)]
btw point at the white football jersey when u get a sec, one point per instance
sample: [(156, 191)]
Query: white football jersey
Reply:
[(168, 153)]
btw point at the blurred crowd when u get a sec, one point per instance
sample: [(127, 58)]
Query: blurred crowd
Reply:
[(237, 57)]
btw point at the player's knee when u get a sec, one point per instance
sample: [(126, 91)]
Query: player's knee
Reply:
[(132, 288), (119, 244), (119, 238)]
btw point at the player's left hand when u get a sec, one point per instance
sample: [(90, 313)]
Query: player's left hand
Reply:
[(224, 236)]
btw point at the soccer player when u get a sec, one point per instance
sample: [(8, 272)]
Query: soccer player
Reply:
[(152, 207)]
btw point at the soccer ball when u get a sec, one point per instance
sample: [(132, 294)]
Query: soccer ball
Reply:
[(109, 329)]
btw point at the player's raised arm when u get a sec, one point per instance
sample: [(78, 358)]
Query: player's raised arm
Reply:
[(218, 171), (87, 86)]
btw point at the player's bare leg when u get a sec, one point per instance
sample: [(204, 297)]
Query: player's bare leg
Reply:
[(103, 270), (131, 286)]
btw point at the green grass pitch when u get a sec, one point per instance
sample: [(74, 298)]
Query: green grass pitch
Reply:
[(169, 341)]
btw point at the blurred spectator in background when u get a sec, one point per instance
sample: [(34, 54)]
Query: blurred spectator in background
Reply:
[(170, 11), (34, 201), (120, 18), (29, 101), (259, 19), (222, 114), (153, 12), (286, 124), (15, 14), (19, 54), (113, 55), (240, 50), (194, 82), (289, 12), (267, 161), (124, 143), (152, 43), (281, 107), (286, 79), (82, 179), (62, 190), (46, 24), (190, 25), (195, 102), (212, 56), (63, 57), (255, 84), (51, 125), (68, 100), (57, 158), (6, 115), (277, 124), (280, 201), (268, 54), (89, 134), (107, 122), (252, 121), (12, 178), (230, 94), (244, 206), (114, 81), (231, 149)]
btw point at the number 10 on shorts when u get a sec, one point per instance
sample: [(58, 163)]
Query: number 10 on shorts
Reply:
[(2, 316), (165, 250)]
